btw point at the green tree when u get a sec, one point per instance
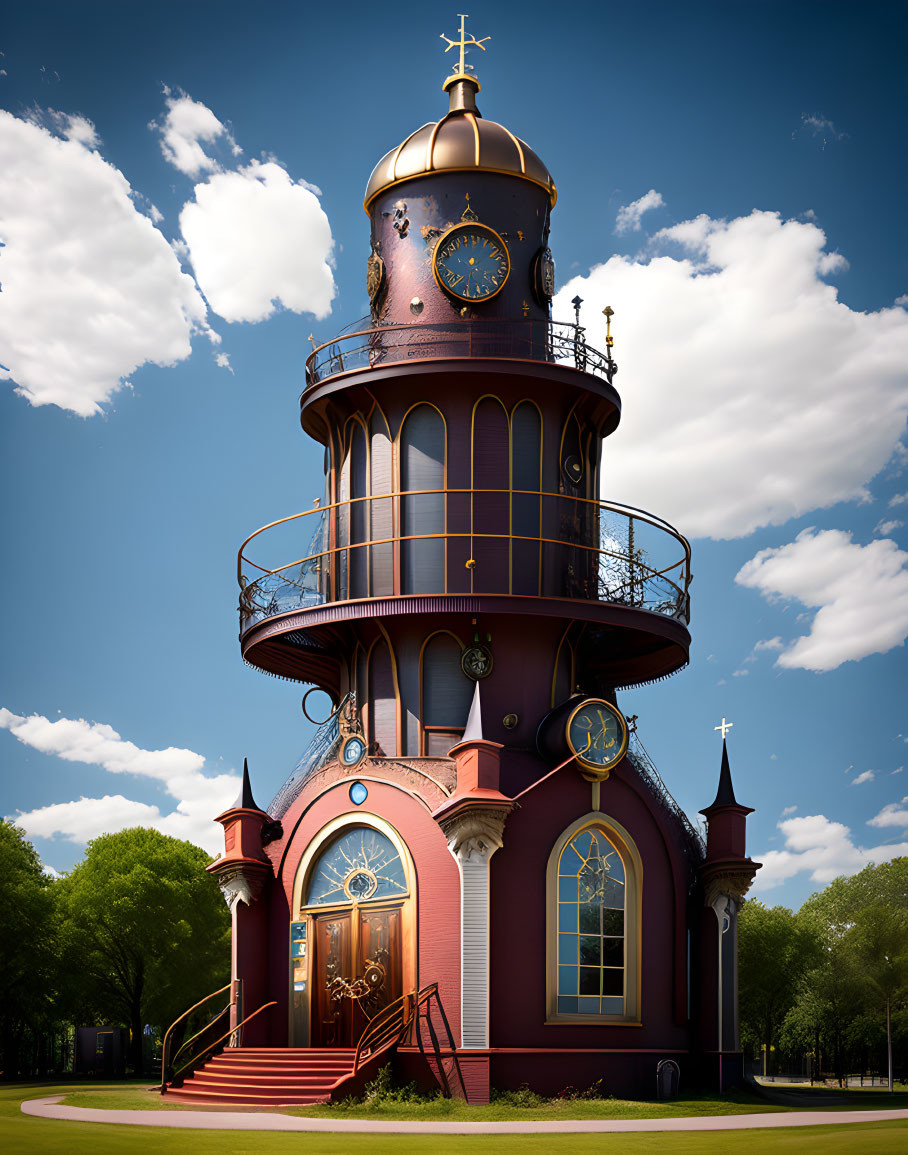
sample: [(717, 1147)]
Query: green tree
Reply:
[(28, 949), (862, 921), (775, 950), (147, 931), (878, 938)]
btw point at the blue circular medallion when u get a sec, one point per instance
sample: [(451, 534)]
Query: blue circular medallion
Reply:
[(358, 793)]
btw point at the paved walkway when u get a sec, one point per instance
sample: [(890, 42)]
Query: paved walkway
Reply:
[(50, 1108)]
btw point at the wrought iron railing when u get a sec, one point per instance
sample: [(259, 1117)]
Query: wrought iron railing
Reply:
[(173, 1036), (205, 1048), (371, 346), (391, 1026), (693, 845), (317, 754), (546, 545)]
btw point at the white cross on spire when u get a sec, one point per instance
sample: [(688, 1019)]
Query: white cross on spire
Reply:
[(725, 727)]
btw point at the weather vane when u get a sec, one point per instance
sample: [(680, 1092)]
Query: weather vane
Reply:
[(463, 44), (725, 727)]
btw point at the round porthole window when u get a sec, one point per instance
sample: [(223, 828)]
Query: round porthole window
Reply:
[(358, 793)]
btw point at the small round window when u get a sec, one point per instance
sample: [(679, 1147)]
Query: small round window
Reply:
[(358, 793)]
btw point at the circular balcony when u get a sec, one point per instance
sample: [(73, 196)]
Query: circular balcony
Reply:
[(470, 551), (375, 346)]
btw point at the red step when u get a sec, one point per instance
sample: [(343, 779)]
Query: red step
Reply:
[(267, 1076)]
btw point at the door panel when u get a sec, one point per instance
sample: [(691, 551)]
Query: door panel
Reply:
[(363, 943), (333, 958)]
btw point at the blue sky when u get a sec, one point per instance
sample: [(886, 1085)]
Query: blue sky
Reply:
[(181, 206)]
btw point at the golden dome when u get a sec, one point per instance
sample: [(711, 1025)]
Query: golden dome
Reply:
[(460, 142)]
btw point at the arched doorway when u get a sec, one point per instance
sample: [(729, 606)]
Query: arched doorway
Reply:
[(353, 902)]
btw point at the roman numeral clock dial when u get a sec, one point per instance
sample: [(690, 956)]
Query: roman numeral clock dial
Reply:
[(471, 262)]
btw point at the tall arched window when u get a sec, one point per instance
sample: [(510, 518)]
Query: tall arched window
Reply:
[(445, 693), (526, 481), (358, 465), (382, 553), (382, 710), (490, 499), (422, 467), (594, 890)]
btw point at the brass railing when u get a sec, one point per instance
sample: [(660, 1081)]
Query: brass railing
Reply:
[(371, 346), (390, 1027), (166, 1062), (576, 548), (196, 1061)]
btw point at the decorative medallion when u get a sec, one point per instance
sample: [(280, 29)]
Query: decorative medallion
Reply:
[(352, 748), (476, 661), (375, 275), (544, 276)]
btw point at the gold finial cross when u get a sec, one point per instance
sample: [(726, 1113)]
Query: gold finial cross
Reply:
[(463, 44), (725, 727)]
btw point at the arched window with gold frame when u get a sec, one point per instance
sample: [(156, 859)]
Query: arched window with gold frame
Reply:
[(445, 694), (423, 471), (593, 945), (353, 929)]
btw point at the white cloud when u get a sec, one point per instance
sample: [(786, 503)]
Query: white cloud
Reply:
[(91, 289), (893, 814), (751, 393), (71, 126), (788, 810), (178, 771), (222, 360), (775, 643), (860, 594), (822, 848), (903, 300), (187, 126), (740, 673), (821, 126), (629, 216), (885, 526), (257, 239), (897, 770), (864, 776), (899, 499)]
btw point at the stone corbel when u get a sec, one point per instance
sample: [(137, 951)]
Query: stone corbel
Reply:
[(475, 830), (240, 884)]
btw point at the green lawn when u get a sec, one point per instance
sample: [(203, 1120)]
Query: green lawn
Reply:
[(20, 1133), (137, 1097)]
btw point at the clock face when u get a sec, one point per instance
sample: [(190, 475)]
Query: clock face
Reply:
[(352, 751), (597, 734), (471, 262)]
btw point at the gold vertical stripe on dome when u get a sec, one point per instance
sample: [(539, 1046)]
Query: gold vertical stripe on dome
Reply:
[(518, 146), (430, 147), (472, 119), (400, 149)]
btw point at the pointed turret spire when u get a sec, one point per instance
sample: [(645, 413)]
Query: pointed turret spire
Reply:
[(245, 801), (725, 795), (473, 731)]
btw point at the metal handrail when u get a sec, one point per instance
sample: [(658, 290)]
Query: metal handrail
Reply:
[(609, 506), (389, 1026), (425, 995), (185, 1014), (615, 572), (233, 1031), (514, 339)]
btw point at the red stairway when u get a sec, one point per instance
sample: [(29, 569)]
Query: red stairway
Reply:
[(264, 1076)]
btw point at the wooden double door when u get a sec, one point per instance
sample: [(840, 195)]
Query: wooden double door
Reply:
[(356, 971)]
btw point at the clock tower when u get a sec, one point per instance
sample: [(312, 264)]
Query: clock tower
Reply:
[(475, 836)]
